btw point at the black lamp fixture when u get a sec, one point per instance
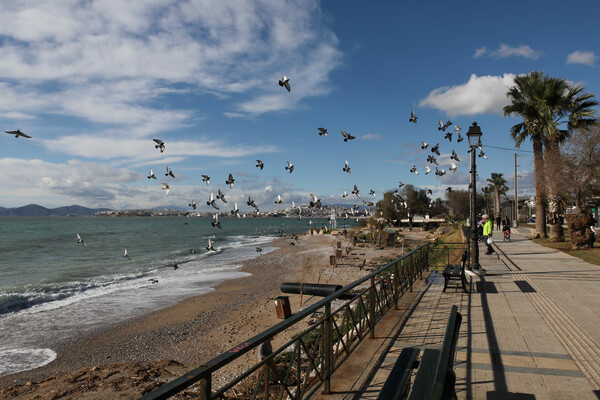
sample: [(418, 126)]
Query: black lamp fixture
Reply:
[(474, 135)]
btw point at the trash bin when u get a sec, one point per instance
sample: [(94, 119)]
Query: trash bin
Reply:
[(332, 260), (338, 253), (282, 307)]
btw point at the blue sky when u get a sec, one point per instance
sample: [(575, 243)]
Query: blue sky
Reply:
[(93, 82)]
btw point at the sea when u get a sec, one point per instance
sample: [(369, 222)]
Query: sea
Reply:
[(53, 288)]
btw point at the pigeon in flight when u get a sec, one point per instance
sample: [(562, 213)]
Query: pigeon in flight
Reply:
[(356, 191), (454, 156), (235, 210), (316, 201), (80, 240), (346, 167), (230, 181), (290, 167), (18, 133), (427, 169), (166, 188), (457, 128), (448, 136), (449, 189), (429, 191), (436, 149), (211, 201), (215, 221), (260, 164), (432, 160), (414, 170), (453, 167), (210, 247), (259, 250), (400, 184), (221, 196), (347, 136), (169, 172), (413, 117), (159, 145), (322, 131), (151, 176), (424, 145), (285, 82), (443, 126), (459, 139), (278, 199), (344, 195), (482, 154), (125, 255), (193, 204), (372, 192), (439, 172), (206, 178), (251, 202)]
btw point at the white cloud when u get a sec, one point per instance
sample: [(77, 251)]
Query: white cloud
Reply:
[(505, 51), (480, 95), (16, 115), (370, 136), (582, 57)]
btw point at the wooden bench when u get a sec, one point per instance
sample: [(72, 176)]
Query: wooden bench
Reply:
[(457, 273), (435, 378)]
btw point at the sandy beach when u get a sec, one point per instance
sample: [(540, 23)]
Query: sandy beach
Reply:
[(132, 358)]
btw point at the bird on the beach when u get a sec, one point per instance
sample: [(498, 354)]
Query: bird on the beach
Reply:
[(185, 224), (453, 167), (206, 178), (165, 187), (125, 255), (251, 202), (193, 204), (347, 136), (172, 265), (344, 195), (356, 191), (414, 170), (290, 167), (235, 210), (169, 172), (259, 250), (424, 145), (309, 222), (260, 164), (413, 117), (221, 196), (211, 201), (292, 244), (459, 139), (482, 154), (346, 167), (372, 192), (209, 246), (300, 217), (230, 181), (278, 199), (443, 126), (454, 156), (285, 82), (316, 201), (436, 149), (151, 176), (427, 169), (18, 133), (215, 221), (153, 280), (159, 145), (322, 131), (448, 136), (80, 240)]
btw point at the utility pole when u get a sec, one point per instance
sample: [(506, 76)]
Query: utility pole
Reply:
[(516, 220)]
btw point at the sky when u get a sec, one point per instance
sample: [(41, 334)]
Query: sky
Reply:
[(94, 82)]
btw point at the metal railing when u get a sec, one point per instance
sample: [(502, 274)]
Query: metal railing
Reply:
[(308, 360)]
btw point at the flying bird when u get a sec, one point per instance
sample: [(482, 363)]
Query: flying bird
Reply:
[(151, 176), (414, 170), (322, 131), (210, 247), (278, 199), (166, 188), (356, 191), (260, 164), (427, 169), (449, 189), (347, 136), (290, 167), (206, 178), (80, 240), (413, 117), (482, 154), (251, 202), (221, 196), (400, 184), (372, 192), (436, 149), (424, 145), (429, 191), (235, 210), (448, 136), (454, 156), (346, 167), (193, 204), (453, 167), (457, 128), (443, 126), (169, 172), (211, 201), (285, 82), (344, 194), (125, 255), (215, 221), (159, 145), (316, 201), (18, 133), (230, 181), (439, 172), (459, 139)]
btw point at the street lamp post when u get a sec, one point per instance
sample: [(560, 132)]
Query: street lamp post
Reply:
[(474, 136)]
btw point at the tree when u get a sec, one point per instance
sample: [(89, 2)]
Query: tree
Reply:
[(498, 187), (459, 202), (581, 161)]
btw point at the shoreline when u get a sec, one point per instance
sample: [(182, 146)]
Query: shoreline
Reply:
[(175, 339)]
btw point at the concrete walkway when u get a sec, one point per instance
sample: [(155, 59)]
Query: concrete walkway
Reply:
[(530, 329)]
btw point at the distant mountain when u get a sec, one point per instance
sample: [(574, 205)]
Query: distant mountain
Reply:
[(34, 210)]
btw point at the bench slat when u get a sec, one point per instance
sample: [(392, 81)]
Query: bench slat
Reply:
[(397, 384)]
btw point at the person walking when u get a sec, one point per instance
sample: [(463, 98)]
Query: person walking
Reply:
[(488, 227), (498, 221)]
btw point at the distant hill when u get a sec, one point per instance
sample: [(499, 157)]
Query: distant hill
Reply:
[(34, 210)]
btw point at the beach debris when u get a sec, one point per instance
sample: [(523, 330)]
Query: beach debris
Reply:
[(230, 181), (193, 204), (165, 187), (151, 176), (18, 133), (436, 149), (347, 136), (211, 201), (80, 240), (221, 196), (290, 167), (322, 131), (316, 201), (206, 178), (413, 117), (424, 145), (169, 172), (215, 221), (125, 255), (209, 246), (285, 82), (159, 145), (346, 167), (278, 199), (260, 164)]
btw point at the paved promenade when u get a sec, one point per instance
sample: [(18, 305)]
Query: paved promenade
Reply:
[(530, 329)]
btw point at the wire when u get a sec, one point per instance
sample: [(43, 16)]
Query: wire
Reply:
[(506, 148)]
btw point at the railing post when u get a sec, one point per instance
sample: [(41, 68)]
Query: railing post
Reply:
[(205, 388), (372, 308), (299, 372), (411, 268), (396, 285), (328, 350)]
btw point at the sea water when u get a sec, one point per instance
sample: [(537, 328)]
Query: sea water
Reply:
[(52, 288)]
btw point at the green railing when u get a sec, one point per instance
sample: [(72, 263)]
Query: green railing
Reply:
[(306, 362)]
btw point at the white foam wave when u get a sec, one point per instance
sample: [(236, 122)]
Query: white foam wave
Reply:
[(16, 360)]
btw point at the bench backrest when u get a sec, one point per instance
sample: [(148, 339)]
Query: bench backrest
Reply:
[(463, 260), (397, 385)]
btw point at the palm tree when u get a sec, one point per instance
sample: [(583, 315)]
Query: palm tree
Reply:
[(498, 186), (545, 103)]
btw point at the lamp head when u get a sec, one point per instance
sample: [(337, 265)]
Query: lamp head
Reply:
[(474, 135)]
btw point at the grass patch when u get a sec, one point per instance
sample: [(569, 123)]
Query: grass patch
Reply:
[(590, 255)]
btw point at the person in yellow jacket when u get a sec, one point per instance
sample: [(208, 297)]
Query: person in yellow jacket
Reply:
[(488, 228)]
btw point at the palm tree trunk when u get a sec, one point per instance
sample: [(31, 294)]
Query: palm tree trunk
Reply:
[(540, 187), (553, 176), (496, 202)]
